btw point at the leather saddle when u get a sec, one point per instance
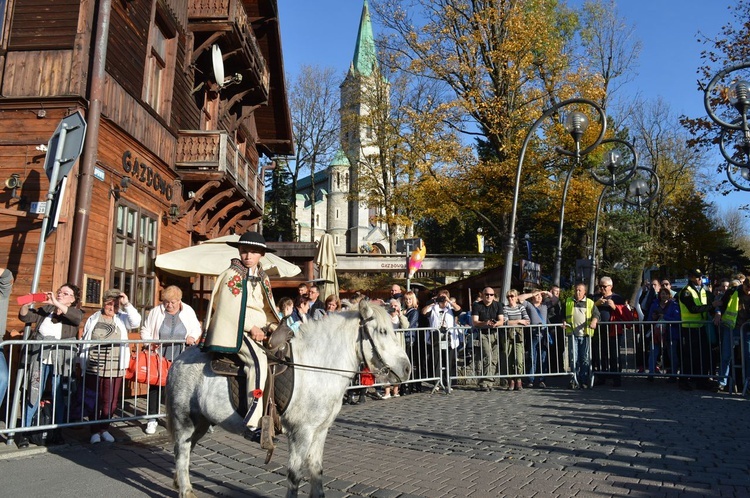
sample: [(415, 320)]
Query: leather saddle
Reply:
[(279, 382)]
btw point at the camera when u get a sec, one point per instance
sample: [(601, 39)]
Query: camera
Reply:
[(440, 299)]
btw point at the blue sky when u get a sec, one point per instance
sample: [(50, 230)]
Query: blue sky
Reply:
[(323, 32)]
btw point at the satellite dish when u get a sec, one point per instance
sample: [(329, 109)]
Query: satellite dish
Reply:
[(218, 65)]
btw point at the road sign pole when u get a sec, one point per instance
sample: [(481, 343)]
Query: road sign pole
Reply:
[(50, 198), (38, 268)]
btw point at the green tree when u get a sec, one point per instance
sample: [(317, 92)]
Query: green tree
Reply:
[(278, 221)]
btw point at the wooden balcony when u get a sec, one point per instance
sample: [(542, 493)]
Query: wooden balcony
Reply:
[(203, 156), (226, 22)]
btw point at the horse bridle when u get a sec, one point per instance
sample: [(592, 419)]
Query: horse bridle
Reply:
[(363, 331), (384, 370)]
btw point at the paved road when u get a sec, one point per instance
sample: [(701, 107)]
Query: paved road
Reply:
[(639, 440)]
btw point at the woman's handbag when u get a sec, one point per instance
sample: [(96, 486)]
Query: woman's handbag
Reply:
[(149, 368)]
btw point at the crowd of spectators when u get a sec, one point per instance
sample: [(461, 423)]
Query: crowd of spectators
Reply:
[(690, 337)]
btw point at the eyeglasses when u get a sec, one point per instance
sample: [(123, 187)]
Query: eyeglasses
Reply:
[(63, 293), (488, 294), (604, 286)]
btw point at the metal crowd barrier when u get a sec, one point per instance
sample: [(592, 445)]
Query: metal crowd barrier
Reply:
[(56, 362), (655, 350), (671, 350), (646, 349)]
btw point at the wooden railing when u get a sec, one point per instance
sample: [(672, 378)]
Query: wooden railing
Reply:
[(232, 12), (212, 152)]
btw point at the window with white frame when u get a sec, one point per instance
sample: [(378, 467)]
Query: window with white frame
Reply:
[(133, 269)]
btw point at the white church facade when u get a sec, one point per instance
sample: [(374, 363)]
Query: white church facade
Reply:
[(338, 210)]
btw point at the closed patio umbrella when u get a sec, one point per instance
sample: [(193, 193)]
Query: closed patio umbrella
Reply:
[(326, 260)]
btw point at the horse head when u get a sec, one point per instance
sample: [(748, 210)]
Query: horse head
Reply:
[(380, 346)]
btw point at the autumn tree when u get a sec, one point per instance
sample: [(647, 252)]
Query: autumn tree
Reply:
[(314, 103), (500, 64)]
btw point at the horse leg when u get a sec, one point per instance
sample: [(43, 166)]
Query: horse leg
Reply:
[(306, 455), (315, 463), (297, 449), (186, 435)]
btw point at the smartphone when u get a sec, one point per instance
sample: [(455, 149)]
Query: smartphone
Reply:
[(30, 298)]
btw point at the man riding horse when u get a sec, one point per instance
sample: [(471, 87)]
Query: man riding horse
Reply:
[(244, 313)]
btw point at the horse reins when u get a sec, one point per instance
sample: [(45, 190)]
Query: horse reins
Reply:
[(362, 331)]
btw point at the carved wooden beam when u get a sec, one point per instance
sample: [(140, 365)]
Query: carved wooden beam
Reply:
[(222, 213), (204, 46), (211, 204), (247, 113), (232, 222), (224, 109)]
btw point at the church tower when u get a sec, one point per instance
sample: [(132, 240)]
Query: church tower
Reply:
[(338, 200), (358, 140)]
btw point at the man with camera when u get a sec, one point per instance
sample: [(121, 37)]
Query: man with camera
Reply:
[(486, 315), (441, 313)]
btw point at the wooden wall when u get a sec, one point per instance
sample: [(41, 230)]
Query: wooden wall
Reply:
[(44, 24), (43, 73), (128, 39), (20, 230), (129, 113)]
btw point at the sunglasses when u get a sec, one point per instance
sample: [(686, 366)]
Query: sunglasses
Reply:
[(488, 294)]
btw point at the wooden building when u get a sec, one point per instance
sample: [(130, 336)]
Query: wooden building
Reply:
[(174, 152)]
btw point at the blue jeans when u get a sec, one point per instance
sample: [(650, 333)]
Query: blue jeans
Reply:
[(730, 339), (538, 354), (59, 405), (579, 355), (3, 377)]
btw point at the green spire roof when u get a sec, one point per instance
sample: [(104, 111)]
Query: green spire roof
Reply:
[(340, 159), (365, 55)]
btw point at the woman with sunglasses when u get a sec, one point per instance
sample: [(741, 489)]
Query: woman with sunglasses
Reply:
[(515, 314)]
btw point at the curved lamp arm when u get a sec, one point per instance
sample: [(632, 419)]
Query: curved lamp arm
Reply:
[(613, 179), (510, 246), (744, 173), (638, 184), (740, 124)]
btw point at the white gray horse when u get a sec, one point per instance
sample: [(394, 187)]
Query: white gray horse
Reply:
[(333, 349)]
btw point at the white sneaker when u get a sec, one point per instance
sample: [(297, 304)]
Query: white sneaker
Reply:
[(106, 436), (95, 438), (386, 396), (151, 427)]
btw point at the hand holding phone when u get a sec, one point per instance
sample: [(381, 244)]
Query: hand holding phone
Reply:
[(31, 298)]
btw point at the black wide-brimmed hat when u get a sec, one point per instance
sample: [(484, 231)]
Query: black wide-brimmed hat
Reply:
[(252, 239)]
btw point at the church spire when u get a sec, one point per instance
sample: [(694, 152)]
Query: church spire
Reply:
[(365, 55)]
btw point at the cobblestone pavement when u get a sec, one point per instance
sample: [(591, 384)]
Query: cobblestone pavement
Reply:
[(639, 440)]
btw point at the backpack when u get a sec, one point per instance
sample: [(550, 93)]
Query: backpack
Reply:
[(42, 437)]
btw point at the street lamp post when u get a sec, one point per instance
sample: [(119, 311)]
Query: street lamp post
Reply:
[(510, 246), (638, 193), (739, 98), (611, 175)]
